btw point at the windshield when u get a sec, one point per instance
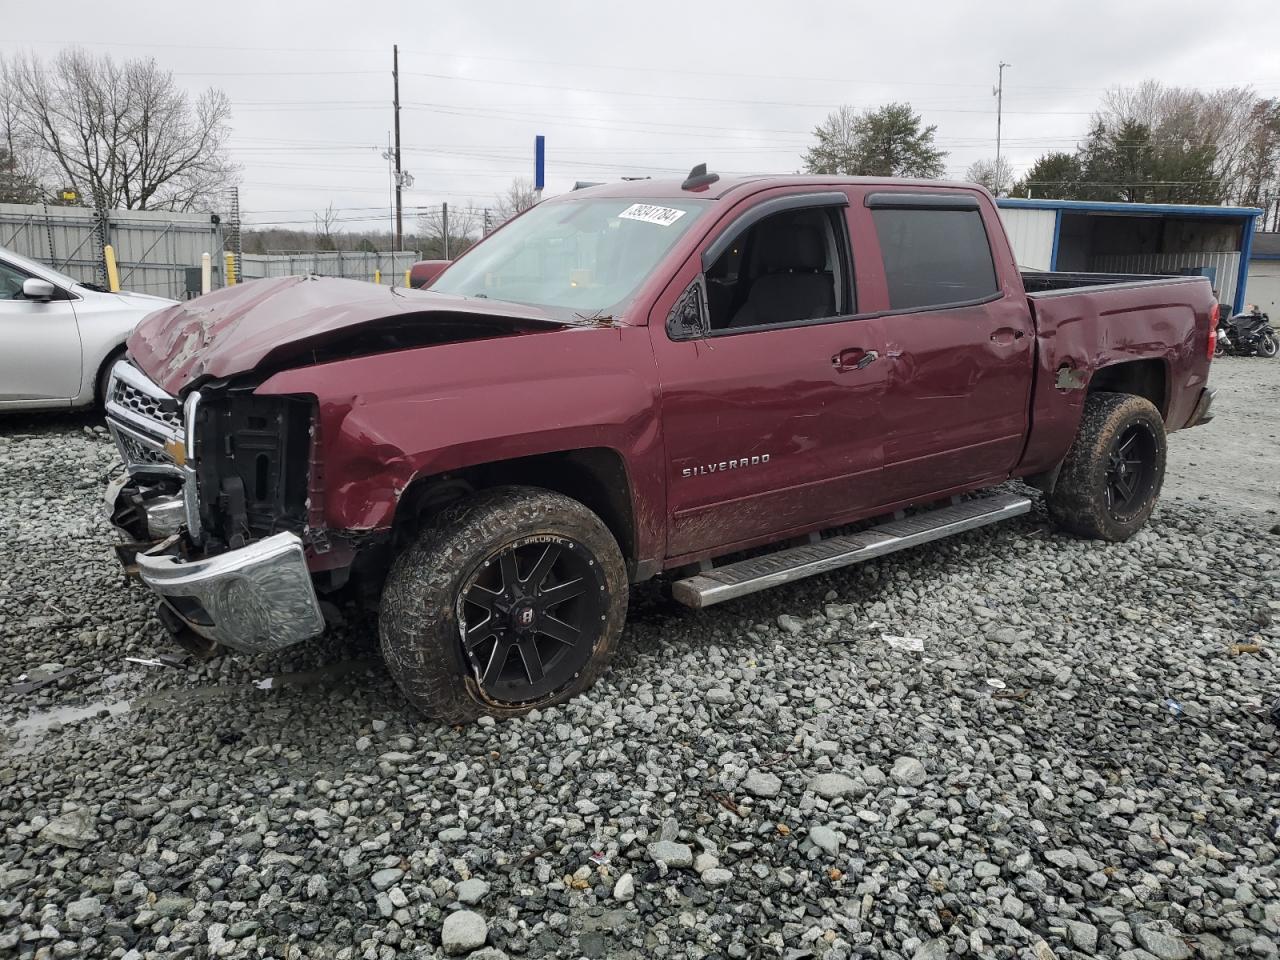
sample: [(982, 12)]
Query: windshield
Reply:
[(586, 257), (39, 269)]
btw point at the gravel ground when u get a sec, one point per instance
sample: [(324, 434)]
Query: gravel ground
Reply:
[(1078, 763), (1236, 461)]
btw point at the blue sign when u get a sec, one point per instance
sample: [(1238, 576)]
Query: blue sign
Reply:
[(539, 162)]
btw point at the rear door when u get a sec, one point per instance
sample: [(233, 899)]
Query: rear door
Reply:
[(40, 353), (958, 340), (771, 415)]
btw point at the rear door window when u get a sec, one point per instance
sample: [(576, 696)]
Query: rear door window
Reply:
[(933, 258)]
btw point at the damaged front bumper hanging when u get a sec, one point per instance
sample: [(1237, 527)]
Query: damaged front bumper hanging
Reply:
[(257, 599)]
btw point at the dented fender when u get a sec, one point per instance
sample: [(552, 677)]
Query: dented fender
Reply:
[(389, 419)]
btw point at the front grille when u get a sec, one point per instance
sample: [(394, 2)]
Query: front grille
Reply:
[(160, 408), (137, 453), (143, 419)]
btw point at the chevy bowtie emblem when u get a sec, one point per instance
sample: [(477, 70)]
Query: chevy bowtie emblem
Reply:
[(177, 451)]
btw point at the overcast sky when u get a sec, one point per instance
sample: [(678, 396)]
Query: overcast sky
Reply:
[(625, 89)]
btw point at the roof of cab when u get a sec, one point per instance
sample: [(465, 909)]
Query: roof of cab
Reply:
[(740, 185)]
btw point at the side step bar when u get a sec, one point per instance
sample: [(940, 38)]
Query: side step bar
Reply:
[(794, 563)]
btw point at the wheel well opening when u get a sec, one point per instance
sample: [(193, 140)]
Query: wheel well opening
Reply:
[(1142, 378), (99, 382), (595, 477)]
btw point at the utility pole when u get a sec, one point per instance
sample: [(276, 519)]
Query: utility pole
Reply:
[(999, 92), (390, 156), (444, 226), (395, 79)]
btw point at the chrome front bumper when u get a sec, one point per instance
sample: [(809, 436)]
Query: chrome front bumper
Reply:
[(257, 599)]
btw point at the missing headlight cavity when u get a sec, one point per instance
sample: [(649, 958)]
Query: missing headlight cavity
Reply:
[(252, 455)]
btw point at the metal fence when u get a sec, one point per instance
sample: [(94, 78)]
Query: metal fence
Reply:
[(155, 250), (352, 264)]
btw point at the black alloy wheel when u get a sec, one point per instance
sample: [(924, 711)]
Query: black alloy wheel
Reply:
[(1131, 471), (511, 599), (528, 617), (1110, 478)]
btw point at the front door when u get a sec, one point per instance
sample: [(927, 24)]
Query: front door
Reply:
[(771, 417), (40, 352)]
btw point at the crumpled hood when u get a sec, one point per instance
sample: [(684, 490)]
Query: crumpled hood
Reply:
[(267, 322)]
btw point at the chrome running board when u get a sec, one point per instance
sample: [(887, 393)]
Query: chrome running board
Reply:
[(795, 563)]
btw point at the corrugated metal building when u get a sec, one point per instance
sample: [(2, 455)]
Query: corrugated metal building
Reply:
[(1264, 274), (1142, 238)]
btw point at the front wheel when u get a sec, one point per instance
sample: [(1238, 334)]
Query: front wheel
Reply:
[(1267, 345), (512, 599), (1113, 472)]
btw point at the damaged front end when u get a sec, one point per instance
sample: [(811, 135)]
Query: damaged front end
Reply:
[(213, 508)]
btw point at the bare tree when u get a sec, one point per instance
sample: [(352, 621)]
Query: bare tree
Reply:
[(324, 228), (123, 134), (839, 143), (1220, 124), (19, 169), (516, 199), (465, 226), (996, 178)]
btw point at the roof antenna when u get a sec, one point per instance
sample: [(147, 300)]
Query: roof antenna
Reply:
[(699, 179)]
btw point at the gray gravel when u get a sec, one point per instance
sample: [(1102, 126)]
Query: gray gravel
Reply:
[(1078, 764)]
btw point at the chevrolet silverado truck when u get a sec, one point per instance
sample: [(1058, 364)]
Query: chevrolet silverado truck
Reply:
[(728, 383)]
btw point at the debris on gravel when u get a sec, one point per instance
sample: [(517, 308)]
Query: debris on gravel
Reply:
[(846, 799)]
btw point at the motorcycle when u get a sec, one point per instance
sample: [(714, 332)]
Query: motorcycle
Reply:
[(1246, 335)]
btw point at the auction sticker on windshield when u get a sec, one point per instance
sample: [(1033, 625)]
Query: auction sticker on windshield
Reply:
[(662, 216)]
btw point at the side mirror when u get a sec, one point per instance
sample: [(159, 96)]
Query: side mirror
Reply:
[(424, 272), (33, 288), (689, 319)]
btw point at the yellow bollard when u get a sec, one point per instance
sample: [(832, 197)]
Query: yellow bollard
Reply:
[(231, 269), (377, 277), (406, 279), (113, 272)]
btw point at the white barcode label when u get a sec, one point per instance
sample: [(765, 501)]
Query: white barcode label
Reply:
[(662, 216)]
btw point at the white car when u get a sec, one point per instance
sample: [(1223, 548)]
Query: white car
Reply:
[(59, 337)]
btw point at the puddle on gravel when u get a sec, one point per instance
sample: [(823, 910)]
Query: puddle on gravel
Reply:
[(27, 733), (30, 730)]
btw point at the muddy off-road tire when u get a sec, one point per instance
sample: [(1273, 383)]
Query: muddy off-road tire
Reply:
[(511, 599), (1112, 475)]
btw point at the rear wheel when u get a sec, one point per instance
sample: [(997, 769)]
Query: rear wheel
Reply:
[(512, 599), (1113, 472), (1267, 345)]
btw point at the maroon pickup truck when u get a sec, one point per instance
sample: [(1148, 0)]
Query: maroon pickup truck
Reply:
[(732, 384)]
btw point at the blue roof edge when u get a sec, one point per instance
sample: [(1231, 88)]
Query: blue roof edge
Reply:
[(1107, 206)]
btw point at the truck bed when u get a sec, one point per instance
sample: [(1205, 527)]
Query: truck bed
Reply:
[(1085, 322), (1039, 281)]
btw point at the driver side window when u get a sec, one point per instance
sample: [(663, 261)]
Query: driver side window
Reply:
[(786, 268), (11, 280)]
